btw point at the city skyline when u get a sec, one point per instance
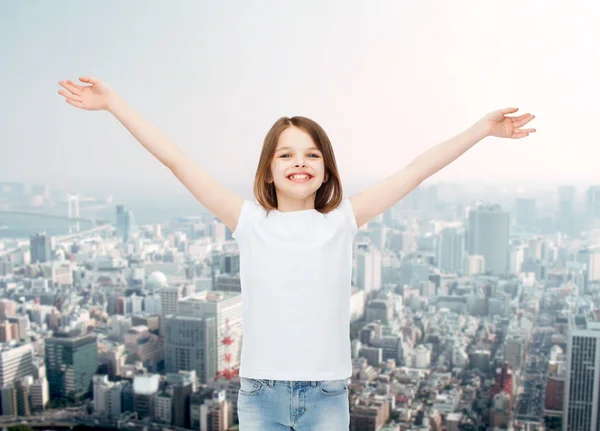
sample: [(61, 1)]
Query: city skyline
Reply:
[(471, 303), (404, 77)]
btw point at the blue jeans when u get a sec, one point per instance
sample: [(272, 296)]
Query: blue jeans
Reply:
[(277, 405)]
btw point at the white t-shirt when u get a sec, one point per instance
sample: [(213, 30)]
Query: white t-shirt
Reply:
[(296, 271)]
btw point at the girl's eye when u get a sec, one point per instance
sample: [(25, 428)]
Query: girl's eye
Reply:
[(312, 154)]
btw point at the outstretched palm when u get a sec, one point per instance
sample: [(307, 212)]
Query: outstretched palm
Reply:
[(89, 97), (501, 126)]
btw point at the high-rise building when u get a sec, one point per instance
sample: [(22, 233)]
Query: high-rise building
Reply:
[(107, 396), (163, 407), (181, 404), (565, 215), (191, 344), (40, 247), (8, 395), (22, 387), (8, 308), (517, 257), (16, 362), (125, 223), (71, 362), (226, 309), (590, 256), (169, 299), (488, 235), (582, 382), (40, 393), (145, 389), (592, 205), (451, 249), (514, 351), (368, 268)]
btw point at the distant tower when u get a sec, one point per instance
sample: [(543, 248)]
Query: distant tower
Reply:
[(488, 235), (227, 340), (451, 249), (40, 247), (74, 213), (565, 215), (126, 224)]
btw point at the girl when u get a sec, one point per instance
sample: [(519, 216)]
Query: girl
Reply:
[(295, 244)]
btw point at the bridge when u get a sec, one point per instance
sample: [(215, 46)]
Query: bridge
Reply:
[(108, 228), (54, 216)]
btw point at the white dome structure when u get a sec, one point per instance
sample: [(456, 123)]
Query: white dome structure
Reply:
[(146, 385), (157, 279)]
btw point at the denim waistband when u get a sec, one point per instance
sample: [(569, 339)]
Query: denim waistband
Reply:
[(291, 383)]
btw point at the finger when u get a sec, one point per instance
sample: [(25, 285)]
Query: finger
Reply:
[(520, 134), (528, 130), (520, 117), (79, 87), (89, 79), (70, 87), (73, 97), (524, 121), (74, 103), (508, 110)]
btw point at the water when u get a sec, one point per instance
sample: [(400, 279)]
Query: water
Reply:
[(23, 226)]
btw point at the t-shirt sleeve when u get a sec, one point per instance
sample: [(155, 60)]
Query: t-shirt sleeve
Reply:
[(349, 217), (248, 209)]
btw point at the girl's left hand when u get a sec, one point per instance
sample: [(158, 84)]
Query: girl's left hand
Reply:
[(499, 125)]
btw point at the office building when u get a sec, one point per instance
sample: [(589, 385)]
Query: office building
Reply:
[(71, 362)]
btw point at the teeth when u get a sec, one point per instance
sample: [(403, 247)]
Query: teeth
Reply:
[(300, 177)]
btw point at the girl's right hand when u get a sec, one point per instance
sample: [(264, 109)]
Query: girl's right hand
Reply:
[(94, 97)]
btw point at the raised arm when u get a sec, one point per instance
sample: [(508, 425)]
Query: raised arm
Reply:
[(220, 201), (383, 195)]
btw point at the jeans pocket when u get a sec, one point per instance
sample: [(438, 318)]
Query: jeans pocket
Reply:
[(250, 386), (333, 387)]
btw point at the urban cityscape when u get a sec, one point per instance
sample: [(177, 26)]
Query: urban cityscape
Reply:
[(467, 313)]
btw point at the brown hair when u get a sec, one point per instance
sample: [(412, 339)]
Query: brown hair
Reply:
[(329, 195)]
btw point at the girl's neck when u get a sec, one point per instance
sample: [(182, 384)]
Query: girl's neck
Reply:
[(294, 205)]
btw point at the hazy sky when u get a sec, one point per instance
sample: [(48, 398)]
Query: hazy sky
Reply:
[(386, 80)]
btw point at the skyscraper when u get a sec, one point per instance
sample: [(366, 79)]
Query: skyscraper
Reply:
[(488, 234), (125, 223), (191, 344), (451, 249), (565, 215), (592, 206), (582, 383), (368, 268), (40, 248), (16, 362), (71, 362)]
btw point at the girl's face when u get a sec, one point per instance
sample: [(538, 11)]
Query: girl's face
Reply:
[(296, 152)]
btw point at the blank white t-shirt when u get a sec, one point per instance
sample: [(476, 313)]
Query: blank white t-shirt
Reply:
[(296, 271)]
